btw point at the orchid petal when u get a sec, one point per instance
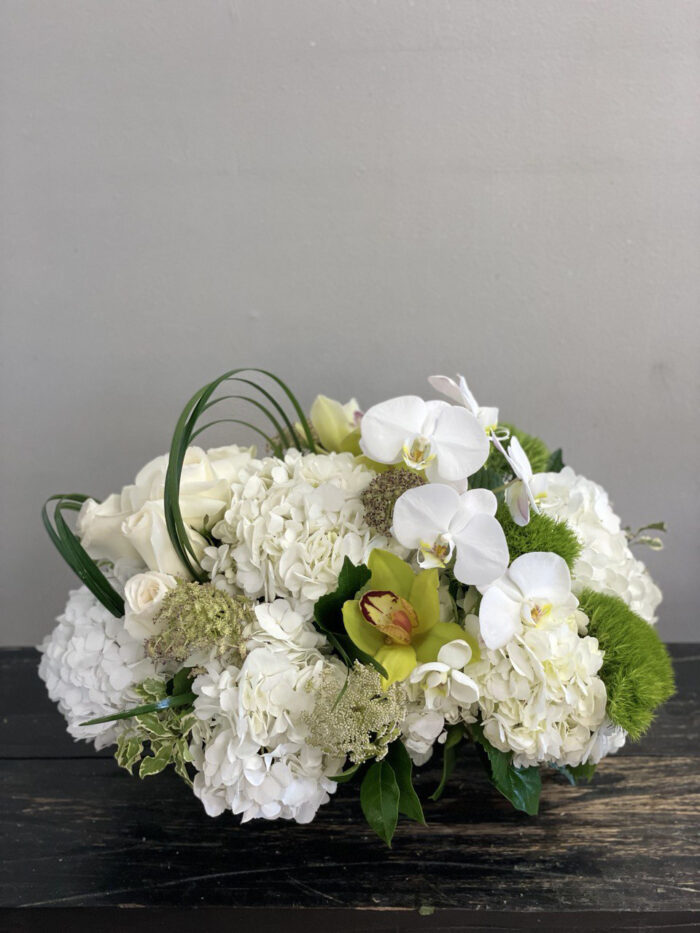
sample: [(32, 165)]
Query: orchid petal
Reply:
[(386, 426), (456, 654), (389, 572), (463, 689), (518, 502), (541, 575), (519, 460), (482, 551), (425, 599), (423, 513), (499, 617), (477, 502), (447, 387), (428, 647), (460, 444), (397, 660), (362, 634)]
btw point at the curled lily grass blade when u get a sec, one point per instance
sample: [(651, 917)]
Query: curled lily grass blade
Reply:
[(186, 430), (74, 554)]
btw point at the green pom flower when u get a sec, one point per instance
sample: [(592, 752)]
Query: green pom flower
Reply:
[(637, 670), (397, 619), (542, 533)]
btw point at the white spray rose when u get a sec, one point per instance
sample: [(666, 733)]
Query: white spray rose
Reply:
[(144, 594)]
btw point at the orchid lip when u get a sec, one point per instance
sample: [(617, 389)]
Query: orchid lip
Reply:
[(390, 614), (417, 452)]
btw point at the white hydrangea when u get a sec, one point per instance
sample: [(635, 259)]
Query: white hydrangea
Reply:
[(540, 694), (250, 748), (439, 693), (292, 523), (90, 664), (606, 564)]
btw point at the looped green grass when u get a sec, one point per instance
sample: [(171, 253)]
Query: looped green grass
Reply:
[(637, 669)]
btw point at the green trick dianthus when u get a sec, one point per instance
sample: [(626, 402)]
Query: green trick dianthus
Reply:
[(379, 498), (637, 670), (195, 617), (537, 452), (542, 533)]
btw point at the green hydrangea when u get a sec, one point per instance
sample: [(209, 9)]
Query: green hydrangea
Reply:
[(195, 617), (361, 722), (542, 533), (637, 670)]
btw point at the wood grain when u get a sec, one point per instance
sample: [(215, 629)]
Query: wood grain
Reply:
[(79, 832)]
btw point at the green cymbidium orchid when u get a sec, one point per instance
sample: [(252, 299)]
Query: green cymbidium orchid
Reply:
[(397, 619), (336, 424)]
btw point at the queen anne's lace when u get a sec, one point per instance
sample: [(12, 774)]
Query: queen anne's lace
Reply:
[(606, 564), (250, 747), (292, 523), (90, 664)]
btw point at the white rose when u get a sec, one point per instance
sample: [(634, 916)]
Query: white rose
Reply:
[(147, 532), (99, 527), (131, 524), (144, 594)]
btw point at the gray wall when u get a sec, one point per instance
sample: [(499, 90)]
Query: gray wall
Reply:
[(356, 195)]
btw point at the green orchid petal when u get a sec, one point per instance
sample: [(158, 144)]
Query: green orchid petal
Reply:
[(428, 645), (364, 635), (397, 660), (351, 443), (425, 600), (389, 572)]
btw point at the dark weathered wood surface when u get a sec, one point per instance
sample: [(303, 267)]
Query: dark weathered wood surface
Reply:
[(79, 832)]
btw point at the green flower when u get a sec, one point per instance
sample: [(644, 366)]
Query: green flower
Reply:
[(397, 618)]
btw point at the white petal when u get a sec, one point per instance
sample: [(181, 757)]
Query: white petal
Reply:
[(541, 575), (499, 617), (456, 654), (386, 426), (463, 689), (518, 502), (482, 551), (477, 502), (519, 460), (423, 513), (468, 398), (460, 443), (488, 417), (446, 386)]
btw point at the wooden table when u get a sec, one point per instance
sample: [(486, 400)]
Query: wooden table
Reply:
[(80, 834)]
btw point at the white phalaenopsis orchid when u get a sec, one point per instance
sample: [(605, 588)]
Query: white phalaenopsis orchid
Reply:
[(460, 392), (535, 585), (444, 440), (438, 522), (521, 495)]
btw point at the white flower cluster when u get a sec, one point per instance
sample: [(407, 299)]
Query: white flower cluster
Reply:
[(540, 694), (250, 750), (90, 664), (291, 524), (607, 563)]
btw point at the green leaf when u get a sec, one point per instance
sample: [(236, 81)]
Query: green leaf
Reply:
[(486, 478), (379, 798), (575, 775), (154, 764), (400, 761), (328, 615), (555, 464), (129, 750), (153, 725), (455, 734), (521, 786), (348, 774), (328, 611), (170, 702), (75, 555), (181, 682)]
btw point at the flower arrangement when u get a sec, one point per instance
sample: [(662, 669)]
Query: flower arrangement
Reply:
[(367, 592)]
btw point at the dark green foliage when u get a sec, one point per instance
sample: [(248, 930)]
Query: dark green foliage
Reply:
[(537, 452), (521, 786), (541, 533), (455, 734), (637, 669)]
